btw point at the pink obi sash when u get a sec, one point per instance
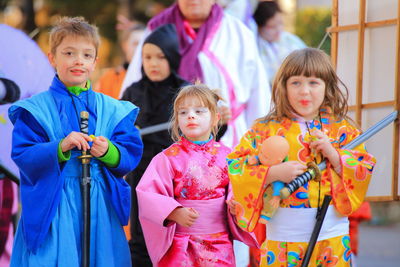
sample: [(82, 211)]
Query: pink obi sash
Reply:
[(212, 219)]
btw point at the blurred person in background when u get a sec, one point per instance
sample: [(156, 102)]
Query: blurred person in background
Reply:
[(362, 214), (24, 71), (220, 51), (110, 82), (274, 44), (241, 9), (9, 93)]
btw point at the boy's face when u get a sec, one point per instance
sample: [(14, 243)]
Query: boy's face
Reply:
[(74, 60), (155, 64)]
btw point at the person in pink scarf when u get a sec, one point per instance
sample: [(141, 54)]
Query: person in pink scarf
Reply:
[(220, 51), (184, 192)]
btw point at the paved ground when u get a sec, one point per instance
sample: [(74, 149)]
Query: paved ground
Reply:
[(379, 245)]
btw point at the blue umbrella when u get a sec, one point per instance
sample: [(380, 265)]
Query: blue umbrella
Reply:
[(22, 61)]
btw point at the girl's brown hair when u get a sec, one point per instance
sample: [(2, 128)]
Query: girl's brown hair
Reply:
[(76, 26), (209, 98), (308, 62)]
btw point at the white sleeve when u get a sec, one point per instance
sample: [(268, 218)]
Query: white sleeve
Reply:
[(258, 104)]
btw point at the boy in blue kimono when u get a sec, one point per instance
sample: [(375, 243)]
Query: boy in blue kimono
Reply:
[(47, 140)]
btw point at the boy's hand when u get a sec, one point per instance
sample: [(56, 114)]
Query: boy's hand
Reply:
[(184, 216), (285, 171), (232, 206), (99, 146), (75, 139)]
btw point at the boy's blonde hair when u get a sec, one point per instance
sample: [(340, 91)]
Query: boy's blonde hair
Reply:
[(209, 98), (73, 26), (308, 62)]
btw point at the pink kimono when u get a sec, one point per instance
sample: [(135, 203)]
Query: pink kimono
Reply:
[(189, 175)]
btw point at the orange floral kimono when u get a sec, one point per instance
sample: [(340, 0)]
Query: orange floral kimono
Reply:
[(289, 230)]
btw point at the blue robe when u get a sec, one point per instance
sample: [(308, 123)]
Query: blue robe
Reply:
[(50, 229)]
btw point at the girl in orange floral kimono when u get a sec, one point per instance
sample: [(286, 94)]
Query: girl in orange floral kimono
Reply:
[(310, 112)]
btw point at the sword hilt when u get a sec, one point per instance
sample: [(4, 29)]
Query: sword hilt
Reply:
[(312, 172), (85, 158), (84, 125)]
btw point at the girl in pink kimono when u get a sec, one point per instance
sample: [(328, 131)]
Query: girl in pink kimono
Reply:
[(183, 194)]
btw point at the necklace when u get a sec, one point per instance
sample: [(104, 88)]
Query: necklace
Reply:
[(315, 160), (315, 157), (82, 126)]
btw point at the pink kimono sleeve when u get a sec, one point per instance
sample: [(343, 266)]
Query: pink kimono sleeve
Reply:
[(156, 201)]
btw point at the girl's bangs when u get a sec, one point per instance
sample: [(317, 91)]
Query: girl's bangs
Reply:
[(308, 64)]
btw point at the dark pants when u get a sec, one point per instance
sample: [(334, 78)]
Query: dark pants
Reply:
[(140, 256)]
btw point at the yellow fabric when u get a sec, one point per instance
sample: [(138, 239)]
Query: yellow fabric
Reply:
[(267, 210), (331, 252), (347, 189)]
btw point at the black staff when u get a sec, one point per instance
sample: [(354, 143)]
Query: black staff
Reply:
[(317, 228), (85, 190)]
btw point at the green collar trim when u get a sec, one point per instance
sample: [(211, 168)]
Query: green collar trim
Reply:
[(77, 90)]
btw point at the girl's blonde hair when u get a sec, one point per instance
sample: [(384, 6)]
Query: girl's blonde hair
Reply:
[(308, 62), (73, 26), (209, 98)]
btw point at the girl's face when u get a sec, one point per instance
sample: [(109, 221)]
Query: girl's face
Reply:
[(74, 60), (195, 120), (306, 95), (155, 64)]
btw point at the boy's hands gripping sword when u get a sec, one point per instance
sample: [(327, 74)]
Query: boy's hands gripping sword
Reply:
[(85, 190), (314, 170)]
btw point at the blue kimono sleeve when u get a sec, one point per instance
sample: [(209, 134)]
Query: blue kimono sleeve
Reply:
[(126, 138), (32, 151), (40, 172)]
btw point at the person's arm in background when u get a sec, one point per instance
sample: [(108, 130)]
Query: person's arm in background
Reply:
[(259, 102)]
